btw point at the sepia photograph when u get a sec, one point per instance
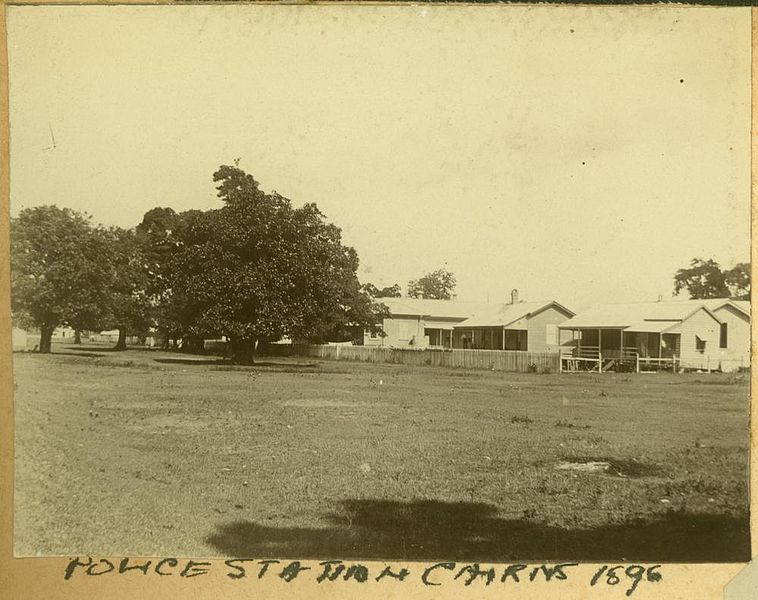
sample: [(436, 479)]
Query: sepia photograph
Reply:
[(405, 283)]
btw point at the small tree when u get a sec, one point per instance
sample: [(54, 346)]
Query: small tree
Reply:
[(438, 285), (59, 269), (392, 291)]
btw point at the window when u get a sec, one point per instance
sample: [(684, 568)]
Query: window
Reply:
[(699, 344), (723, 343), (551, 334)]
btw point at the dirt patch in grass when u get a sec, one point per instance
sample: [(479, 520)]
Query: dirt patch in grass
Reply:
[(164, 423), (465, 374), (267, 366), (610, 466), (320, 403)]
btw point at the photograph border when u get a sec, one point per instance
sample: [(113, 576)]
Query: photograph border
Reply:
[(44, 577)]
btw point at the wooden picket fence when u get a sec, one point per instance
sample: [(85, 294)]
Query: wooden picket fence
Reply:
[(495, 360)]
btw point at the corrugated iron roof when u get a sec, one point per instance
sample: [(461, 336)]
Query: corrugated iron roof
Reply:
[(502, 315), (743, 304), (444, 309), (717, 303), (652, 326), (636, 314)]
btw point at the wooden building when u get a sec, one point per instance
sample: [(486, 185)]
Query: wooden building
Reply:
[(421, 323), (525, 326), (734, 339), (655, 334)]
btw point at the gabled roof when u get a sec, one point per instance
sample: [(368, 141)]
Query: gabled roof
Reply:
[(502, 315), (715, 304), (421, 307), (638, 316)]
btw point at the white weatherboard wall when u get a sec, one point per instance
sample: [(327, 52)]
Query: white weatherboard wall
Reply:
[(399, 331), (737, 352), (537, 330), (703, 325), (537, 326)]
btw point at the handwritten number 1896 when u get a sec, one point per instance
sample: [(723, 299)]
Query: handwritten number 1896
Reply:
[(634, 572)]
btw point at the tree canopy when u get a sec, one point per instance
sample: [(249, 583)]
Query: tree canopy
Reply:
[(259, 269), (439, 285), (392, 291), (129, 308), (706, 279), (60, 270)]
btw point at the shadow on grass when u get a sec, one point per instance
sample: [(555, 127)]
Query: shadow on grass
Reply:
[(191, 361), (82, 349), (81, 354), (432, 530), (222, 364)]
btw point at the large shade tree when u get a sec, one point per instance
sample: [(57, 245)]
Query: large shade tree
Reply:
[(60, 272), (259, 268)]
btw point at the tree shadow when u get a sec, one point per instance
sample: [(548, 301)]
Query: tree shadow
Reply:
[(226, 365), (80, 354), (432, 530), (191, 361), (84, 349)]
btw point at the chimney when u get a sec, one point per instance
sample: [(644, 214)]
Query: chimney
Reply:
[(514, 296)]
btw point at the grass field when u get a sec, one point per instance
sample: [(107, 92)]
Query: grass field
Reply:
[(151, 453)]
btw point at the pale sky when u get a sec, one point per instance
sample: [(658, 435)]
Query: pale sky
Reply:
[(577, 154)]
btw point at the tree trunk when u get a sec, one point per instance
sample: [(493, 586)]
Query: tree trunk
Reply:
[(121, 344), (46, 339), (243, 350), (77, 336), (194, 345)]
